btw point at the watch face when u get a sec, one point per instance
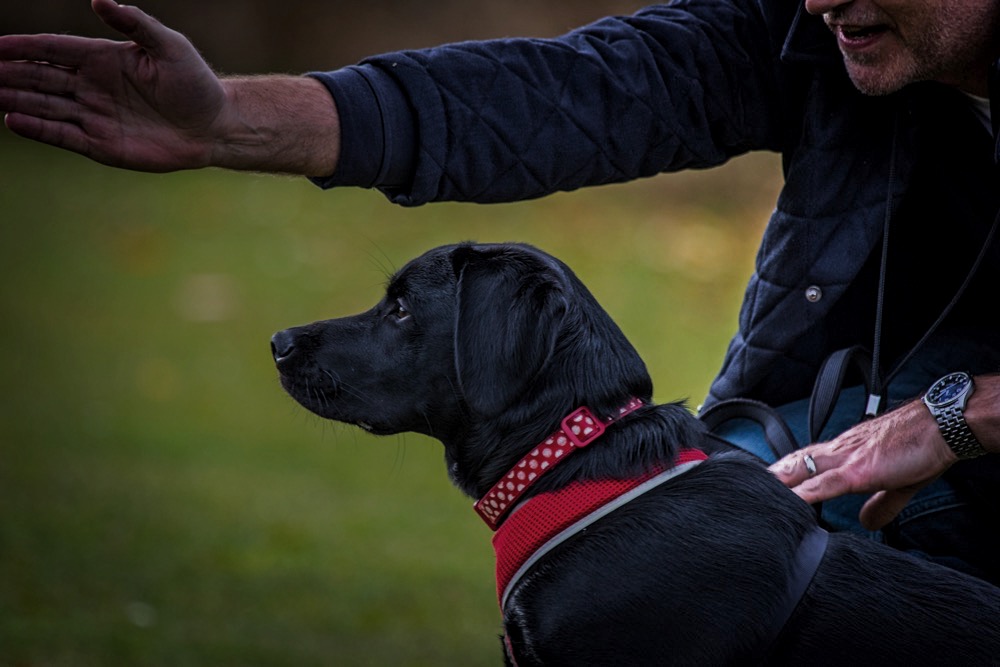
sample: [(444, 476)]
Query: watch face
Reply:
[(947, 388)]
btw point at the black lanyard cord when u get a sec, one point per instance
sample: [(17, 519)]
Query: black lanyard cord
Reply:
[(878, 384)]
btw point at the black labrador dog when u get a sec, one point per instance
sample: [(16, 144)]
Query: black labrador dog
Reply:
[(493, 350)]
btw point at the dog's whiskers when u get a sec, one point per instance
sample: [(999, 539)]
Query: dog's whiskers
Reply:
[(321, 396), (427, 420), (353, 392), (381, 260), (397, 464)]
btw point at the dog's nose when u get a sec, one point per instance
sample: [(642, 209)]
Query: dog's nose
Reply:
[(282, 345)]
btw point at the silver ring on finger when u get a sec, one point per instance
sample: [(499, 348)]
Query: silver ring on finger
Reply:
[(810, 464)]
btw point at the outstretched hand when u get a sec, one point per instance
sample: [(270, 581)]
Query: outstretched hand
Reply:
[(892, 456), (148, 103)]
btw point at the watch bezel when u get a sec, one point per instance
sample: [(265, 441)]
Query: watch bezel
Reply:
[(959, 378)]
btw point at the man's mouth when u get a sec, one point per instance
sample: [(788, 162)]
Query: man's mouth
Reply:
[(854, 33)]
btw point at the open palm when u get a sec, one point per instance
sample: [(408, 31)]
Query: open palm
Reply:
[(149, 103)]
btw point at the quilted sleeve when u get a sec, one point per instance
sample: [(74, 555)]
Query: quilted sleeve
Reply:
[(674, 86)]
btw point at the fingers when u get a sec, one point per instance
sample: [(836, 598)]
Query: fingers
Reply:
[(71, 50), (38, 90), (40, 99), (825, 486), (137, 25), (63, 50), (883, 507), (799, 466), (57, 133), (814, 474), (36, 77), (124, 19)]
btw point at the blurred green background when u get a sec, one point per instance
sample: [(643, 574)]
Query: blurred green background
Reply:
[(162, 502)]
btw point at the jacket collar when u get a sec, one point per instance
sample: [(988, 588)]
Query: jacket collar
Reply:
[(809, 41)]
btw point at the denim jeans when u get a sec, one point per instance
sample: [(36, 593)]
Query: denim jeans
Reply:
[(946, 521)]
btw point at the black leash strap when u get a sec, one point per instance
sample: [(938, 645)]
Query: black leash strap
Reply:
[(776, 432), (830, 382)]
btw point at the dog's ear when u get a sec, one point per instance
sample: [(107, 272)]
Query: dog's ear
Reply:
[(510, 309)]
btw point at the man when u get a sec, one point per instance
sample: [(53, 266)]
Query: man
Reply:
[(883, 235)]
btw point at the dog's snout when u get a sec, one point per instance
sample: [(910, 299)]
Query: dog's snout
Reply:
[(282, 345)]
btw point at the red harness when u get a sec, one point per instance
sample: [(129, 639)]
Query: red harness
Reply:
[(548, 518)]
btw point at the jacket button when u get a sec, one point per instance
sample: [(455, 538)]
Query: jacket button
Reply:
[(813, 294)]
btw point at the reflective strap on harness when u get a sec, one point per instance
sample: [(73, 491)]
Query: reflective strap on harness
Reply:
[(524, 555)]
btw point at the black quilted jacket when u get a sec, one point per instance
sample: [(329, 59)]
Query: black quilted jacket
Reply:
[(692, 84)]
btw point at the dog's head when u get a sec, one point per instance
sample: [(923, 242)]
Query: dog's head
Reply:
[(484, 347)]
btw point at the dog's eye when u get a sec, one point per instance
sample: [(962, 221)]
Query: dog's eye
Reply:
[(400, 313)]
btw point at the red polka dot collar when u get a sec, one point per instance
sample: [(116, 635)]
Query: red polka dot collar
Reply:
[(577, 430)]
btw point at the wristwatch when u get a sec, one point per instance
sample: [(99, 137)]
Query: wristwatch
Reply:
[(946, 400)]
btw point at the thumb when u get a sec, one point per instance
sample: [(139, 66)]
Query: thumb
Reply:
[(883, 507), (135, 24)]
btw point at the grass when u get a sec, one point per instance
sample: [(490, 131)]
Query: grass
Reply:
[(162, 502)]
